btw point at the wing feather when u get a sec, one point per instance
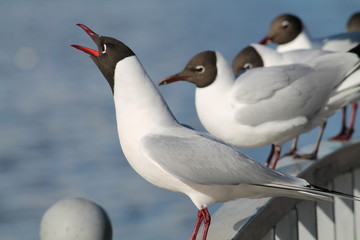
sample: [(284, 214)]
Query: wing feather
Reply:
[(286, 92), (202, 159)]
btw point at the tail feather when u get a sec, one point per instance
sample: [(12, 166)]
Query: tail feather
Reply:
[(347, 91), (334, 193), (316, 196), (355, 50), (312, 192)]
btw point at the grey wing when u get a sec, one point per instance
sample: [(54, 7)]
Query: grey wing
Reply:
[(281, 93), (258, 84), (201, 159)]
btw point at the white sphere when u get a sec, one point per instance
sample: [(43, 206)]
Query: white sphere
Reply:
[(75, 219)]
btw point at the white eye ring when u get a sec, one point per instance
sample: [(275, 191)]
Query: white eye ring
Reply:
[(200, 69), (247, 65), (104, 49), (285, 23)]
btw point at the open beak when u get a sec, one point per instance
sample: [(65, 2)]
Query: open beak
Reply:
[(265, 40), (94, 37), (173, 78)]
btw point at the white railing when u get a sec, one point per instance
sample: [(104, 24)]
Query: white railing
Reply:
[(290, 219)]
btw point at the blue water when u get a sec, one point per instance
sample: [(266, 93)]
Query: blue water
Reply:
[(57, 122)]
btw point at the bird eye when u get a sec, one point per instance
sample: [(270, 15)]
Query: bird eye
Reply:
[(103, 51), (247, 65), (199, 69), (285, 24)]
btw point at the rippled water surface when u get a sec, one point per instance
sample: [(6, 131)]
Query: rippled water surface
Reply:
[(57, 123)]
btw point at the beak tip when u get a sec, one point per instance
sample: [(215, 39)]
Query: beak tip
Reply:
[(265, 40), (171, 79), (81, 25), (90, 32), (93, 35), (162, 83)]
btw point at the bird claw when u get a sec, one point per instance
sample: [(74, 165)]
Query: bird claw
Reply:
[(309, 156), (343, 135), (290, 153)]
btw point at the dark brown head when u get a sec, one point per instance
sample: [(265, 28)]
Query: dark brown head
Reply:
[(110, 52), (353, 24), (246, 59), (283, 29), (200, 70)]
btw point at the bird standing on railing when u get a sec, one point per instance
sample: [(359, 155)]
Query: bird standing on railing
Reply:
[(289, 32), (265, 106), (177, 158), (257, 55)]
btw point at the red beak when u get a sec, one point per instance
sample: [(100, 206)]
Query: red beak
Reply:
[(171, 79), (265, 40), (86, 50), (92, 34)]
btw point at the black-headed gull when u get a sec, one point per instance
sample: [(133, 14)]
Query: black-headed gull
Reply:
[(264, 105), (353, 24), (289, 32), (176, 158), (257, 55)]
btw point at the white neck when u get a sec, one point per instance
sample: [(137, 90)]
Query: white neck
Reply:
[(138, 103), (302, 41), (269, 56), (212, 101)]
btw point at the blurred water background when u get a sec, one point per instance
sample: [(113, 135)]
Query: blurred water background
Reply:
[(58, 135)]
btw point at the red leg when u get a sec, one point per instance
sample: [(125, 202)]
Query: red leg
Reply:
[(293, 148), (271, 154), (197, 225), (207, 221), (203, 215), (343, 130), (352, 121), (276, 156), (313, 154)]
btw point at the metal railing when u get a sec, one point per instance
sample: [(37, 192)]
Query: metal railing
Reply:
[(291, 219)]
